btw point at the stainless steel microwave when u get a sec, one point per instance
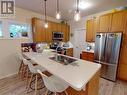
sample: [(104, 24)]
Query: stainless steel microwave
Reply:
[(57, 35)]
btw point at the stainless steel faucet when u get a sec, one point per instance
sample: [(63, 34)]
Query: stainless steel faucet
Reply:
[(60, 46)]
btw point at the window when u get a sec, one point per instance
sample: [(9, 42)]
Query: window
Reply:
[(0, 28), (18, 30)]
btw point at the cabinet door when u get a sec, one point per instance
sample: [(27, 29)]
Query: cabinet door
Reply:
[(89, 30), (122, 68), (38, 30), (125, 32), (54, 27), (122, 72), (118, 21), (84, 56), (58, 27), (96, 27), (69, 52), (91, 57), (66, 31), (49, 32), (105, 22), (123, 53)]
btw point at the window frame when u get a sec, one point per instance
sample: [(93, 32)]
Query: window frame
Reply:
[(19, 23), (2, 28)]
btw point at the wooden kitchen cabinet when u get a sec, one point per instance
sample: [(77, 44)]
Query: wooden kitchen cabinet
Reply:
[(41, 34), (66, 32), (122, 68), (69, 52), (118, 21), (92, 27), (123, 53), (122, 72), (58, 27), (38, 30), (105, 22), (49, 32), (87, 56), (125, 32), (89, 32)]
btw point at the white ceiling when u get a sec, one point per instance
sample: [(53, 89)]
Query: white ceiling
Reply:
[(67, 7)]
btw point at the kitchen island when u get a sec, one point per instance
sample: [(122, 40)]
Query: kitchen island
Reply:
[(82, 76)]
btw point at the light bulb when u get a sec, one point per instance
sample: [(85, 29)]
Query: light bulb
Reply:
[(77, 16), (58, 15), (46, 25)]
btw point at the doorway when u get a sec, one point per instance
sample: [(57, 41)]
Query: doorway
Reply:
[(79, 42)]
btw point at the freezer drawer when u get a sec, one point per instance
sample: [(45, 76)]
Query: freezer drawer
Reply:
[(109, 72)]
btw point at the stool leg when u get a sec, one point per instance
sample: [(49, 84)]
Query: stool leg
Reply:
[(46, 93), (20, 67), (27, 76), (36, 84), (66, 92), (29, 83), (23, 71)]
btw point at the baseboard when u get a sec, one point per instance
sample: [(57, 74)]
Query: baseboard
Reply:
[(8, 76)]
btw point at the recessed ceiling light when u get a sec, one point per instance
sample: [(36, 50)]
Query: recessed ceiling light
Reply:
[(84, 5)]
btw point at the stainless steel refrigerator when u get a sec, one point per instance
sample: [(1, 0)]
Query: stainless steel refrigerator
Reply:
[(107, 49)]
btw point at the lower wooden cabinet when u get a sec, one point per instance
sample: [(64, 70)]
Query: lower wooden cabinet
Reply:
[(122, 68), (122, 72), (69, 52), (87, 56)]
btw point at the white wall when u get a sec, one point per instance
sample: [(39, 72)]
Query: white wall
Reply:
[(9, 64)]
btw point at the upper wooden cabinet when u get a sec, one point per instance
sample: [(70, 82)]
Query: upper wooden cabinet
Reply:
[(40, 34), (66, 32), (38, 30), (92, 27), (49, 32), (118, 21), (125, 32), (89, 32), (105, 22)]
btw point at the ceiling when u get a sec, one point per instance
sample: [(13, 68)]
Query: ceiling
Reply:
[(67, 7)]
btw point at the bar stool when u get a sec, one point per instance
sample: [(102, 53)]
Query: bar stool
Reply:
[(22, 65), (53, 84), (33, 71)]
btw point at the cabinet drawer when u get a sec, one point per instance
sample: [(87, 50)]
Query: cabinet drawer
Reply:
[(84, 56), (87, 56)]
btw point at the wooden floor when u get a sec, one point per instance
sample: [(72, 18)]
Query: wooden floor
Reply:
[(15, 86)]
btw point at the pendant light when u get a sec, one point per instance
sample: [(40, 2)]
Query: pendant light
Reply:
[(58, 14), (77, 15), (46, 22)]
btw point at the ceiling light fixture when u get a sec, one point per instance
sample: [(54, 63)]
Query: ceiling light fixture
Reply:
[(46, 22), (58, 14), (77, 15), (84, 5)]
